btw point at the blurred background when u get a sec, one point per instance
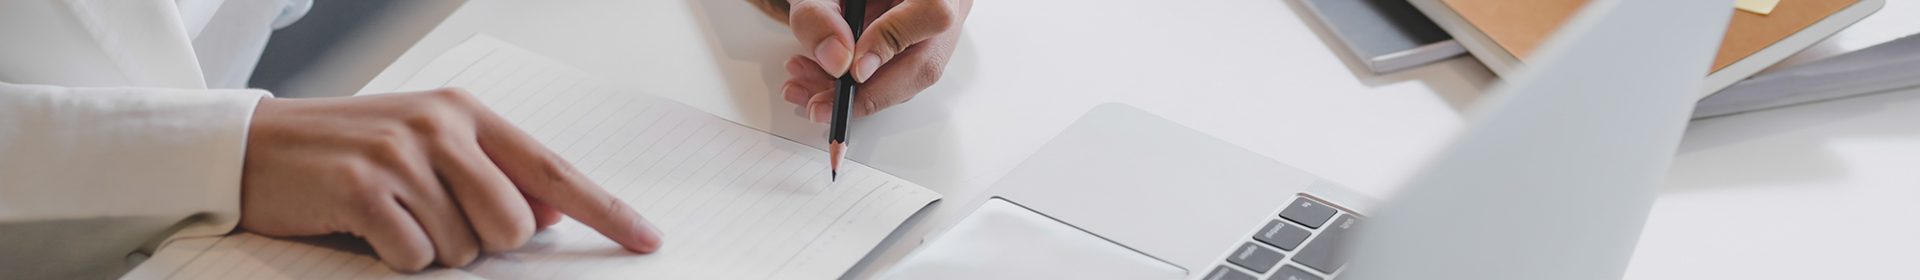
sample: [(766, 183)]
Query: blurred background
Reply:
[(344, 40)]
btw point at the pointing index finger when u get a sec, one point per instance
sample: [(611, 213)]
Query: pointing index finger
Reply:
[(593, 206), (545, 177)]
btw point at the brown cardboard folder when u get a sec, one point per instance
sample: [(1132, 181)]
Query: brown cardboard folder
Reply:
[(1519, 26)]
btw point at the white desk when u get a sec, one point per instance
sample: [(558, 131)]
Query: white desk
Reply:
[(1820, 191), (1818, 188)]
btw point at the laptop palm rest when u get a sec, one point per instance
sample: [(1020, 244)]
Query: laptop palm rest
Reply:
[(1152, 185), (1002, 240)]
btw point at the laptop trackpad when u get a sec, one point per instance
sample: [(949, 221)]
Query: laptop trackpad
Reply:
[(1154, 185), (1002, 240)]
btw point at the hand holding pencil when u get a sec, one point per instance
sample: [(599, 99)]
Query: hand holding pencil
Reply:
[(854, 75), (904, 49)]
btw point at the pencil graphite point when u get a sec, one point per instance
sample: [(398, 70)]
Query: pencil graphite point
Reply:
[(835, 151)]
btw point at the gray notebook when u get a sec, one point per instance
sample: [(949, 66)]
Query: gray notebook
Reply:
[(1385, 35)]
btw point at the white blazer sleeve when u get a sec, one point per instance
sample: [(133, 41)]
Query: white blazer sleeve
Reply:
[(79, 153)]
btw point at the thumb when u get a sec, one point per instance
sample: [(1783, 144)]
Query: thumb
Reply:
[(900, 27), (817, 24)]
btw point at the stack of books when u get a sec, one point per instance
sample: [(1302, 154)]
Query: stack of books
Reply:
[(1879, 54)]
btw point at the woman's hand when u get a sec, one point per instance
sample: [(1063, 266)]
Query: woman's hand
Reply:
[(903, 50), (423, 177)]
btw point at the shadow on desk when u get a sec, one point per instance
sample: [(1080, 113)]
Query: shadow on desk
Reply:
[(1794, 145), (1457, 92)]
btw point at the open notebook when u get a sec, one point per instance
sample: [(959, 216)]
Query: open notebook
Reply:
[(734, 202)]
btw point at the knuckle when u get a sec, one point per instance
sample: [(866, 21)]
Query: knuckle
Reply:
[(813, 8), (870, 106), (506, 231), (557, 172), (613, 207), (509, 237), (929, 72), (429, 122), (932, 18), (941, 18), (455, 94), (801, 64), (460, 256), (385, 145), (893, 41), (452, 100)]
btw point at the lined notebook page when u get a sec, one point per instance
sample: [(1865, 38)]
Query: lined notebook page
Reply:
[(734, 202)]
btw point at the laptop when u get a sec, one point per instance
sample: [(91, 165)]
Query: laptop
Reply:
[(1551, 179)]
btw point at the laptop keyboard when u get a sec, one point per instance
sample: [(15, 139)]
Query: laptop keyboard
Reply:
[(1301, 244)]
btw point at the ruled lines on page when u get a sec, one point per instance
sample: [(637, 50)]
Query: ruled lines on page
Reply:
[(733, 202)]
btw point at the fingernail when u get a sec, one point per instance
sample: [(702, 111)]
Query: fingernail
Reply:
[(658, 239), (810, 115), (822, 112), (793, 94), (833, 56), (868, 64)]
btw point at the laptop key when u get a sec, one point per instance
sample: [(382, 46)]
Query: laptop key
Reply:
[(1256, 258), (1308, 212), (1282, 235), (1226, 273), (1325, 253), (1290, 272)]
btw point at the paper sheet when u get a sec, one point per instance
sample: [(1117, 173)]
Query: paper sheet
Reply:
[(734, 202), (1762, 7)]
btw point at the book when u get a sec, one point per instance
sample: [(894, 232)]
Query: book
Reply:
[(1879, 54), (1880, 68)]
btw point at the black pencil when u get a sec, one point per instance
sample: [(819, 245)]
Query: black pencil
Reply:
[(855, 12)]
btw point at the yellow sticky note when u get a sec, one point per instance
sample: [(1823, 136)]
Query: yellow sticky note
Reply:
[(1762, 7)]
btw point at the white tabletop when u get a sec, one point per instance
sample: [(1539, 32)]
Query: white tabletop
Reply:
[(1800, 191)]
